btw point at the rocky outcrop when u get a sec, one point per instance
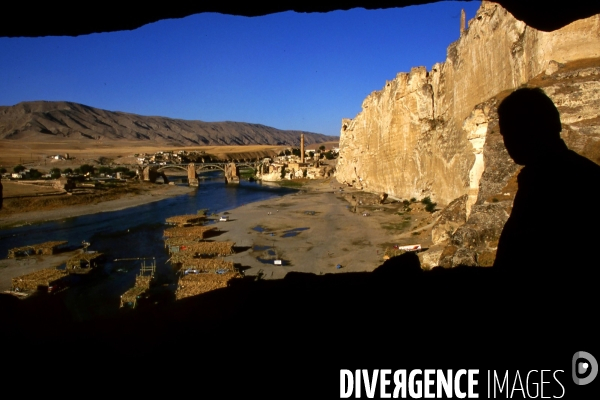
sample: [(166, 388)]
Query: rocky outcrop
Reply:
[(449, 219), (419, 136), (436, 133), (575, 88)]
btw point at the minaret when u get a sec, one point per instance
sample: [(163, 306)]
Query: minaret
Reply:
[(302, 147)]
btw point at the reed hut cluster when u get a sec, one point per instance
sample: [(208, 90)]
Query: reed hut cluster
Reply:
[(193, 257), (46, 248)]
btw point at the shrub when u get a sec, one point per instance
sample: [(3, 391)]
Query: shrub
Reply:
[(413, 200), (34, 174), (105, 170), (85, 168), (430, 207), (55, 173)]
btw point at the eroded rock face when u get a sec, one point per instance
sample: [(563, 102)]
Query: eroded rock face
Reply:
[(436, 133), (575, 89), (450, 218), (419, 136)]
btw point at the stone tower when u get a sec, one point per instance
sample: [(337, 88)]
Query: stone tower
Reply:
[(302, 147)]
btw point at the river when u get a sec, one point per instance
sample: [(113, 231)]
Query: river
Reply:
[(132, 233)]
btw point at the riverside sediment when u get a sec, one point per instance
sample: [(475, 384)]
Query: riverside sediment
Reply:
[(126, 201), (323, 228)]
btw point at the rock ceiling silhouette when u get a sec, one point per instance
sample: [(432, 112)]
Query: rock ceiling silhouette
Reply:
[(71, 18)]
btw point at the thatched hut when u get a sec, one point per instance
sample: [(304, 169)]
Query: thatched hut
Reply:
[(84, 262), (193, 232), (194, 284), (205, 249), (185, 262), (48, 279), (186, 220)]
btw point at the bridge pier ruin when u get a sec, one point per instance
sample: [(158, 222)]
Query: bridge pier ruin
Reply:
[(192, 175), (151, 173), (232, 173)]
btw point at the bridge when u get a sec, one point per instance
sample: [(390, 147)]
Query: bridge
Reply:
[(150, 172), (203, 167), (200, 167)]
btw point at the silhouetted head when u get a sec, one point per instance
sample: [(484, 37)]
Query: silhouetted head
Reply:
[(529, 124)]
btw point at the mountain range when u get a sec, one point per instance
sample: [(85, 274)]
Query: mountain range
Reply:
[(43, 120)]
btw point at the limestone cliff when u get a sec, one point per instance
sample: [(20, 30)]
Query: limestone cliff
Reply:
[(575, 89), (422, 135)]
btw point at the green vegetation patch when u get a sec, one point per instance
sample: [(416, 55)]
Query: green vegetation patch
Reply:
[(398, 226), (429, 205), (247, 173)]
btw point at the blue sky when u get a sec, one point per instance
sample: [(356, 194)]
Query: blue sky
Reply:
[(286, 70)]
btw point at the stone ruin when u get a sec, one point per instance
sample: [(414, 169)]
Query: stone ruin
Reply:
[(232, 173), (151, 174), (192, 175)]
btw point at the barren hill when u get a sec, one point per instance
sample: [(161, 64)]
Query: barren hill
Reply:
[(41, 120)]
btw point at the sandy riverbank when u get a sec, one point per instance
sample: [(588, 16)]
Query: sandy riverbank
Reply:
[(314, 230), (160, 192), (319, 228)]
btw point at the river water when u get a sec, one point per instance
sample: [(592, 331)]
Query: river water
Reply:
[(135, 232)]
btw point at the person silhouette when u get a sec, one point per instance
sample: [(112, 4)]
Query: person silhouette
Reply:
[(554, 228)]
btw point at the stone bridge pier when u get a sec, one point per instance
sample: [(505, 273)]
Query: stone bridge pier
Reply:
[(232, 173), (151, 173), (192, 175)]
